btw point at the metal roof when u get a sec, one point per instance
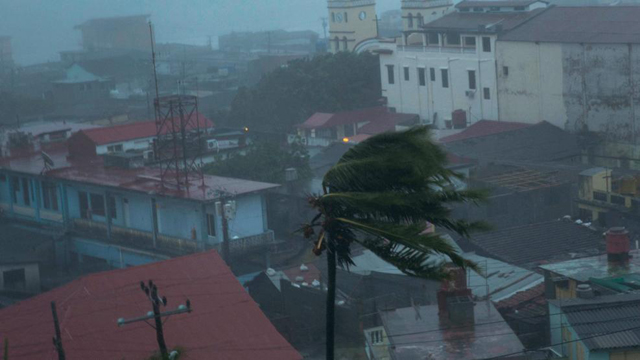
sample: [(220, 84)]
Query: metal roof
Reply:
[(458, 21), (609, 314), (373, 114), (597, 267), (583, 24), (225, 322)]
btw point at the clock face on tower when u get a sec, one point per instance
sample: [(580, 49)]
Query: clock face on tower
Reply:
[(362, 15), (339, 17)]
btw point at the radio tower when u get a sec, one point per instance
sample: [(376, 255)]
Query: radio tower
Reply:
[(178, 145)]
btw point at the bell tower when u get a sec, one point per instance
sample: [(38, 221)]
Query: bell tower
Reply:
[(351, 22)]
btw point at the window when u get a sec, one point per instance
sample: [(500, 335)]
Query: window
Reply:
[(494, 8), (83, 203), (346, 19), (486, 44), (600, 196), (376, 337), (433, 39), (113, 211), (26, 192), (505, 70), (333, 17), (14, 279), (478, 9), (345, 45), (618, 200), (15, 184), (422, 77), (211, 225), (465, 9), (444, 73), (432, 74), (420, 20), (406, 73), (519, 8), (453, 39), (390, 75), (97, 204), (392, 110), (115, 148), (470, 41), (410, 21), (50, 196), (337, 44), (486, 93), (472, 79)]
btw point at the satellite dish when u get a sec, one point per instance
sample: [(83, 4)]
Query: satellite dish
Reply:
[(48, 161)]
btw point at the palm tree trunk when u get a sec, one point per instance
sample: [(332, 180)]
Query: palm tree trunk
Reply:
[(331, 299)]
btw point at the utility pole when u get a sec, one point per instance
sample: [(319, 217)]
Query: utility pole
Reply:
[(324, 27), (151, 290), (57, 340)]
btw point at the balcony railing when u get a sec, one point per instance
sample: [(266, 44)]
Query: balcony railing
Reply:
[(437, 49)]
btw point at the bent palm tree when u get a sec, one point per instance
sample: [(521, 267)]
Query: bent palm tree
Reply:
[(382, 194)]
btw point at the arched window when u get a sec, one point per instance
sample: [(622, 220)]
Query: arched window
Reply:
[(346, 19), (410, 21), (337, 43), (344, 43), (333, 17), (420, 20)]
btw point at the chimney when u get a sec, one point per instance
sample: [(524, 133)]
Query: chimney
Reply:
[(455, 286), (584, 291), (460, 309), (618, 245)]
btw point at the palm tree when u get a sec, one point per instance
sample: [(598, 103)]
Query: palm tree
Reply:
[(382, 194)]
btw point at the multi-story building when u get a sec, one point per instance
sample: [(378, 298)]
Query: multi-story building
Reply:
[(352, 24), (449, 65), (121, 212), (116, 33)]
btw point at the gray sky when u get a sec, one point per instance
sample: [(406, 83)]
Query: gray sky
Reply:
[(41, 28)]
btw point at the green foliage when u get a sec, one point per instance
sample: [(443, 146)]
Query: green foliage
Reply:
[(383, 192), (325, 83), (264, 161)]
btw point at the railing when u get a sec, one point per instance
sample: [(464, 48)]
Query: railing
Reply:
[(437, 49), (135, 238)]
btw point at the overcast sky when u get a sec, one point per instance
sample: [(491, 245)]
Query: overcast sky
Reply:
[(41, 28)]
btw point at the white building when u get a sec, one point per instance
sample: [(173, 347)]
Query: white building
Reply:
[(449, 64)]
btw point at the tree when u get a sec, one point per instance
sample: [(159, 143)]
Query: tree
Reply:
[(264, 161), (325, 83), (382, 194)]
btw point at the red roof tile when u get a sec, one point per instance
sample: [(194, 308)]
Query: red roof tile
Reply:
[(372, 115), (484, 128), (225, 323), (125, 132)]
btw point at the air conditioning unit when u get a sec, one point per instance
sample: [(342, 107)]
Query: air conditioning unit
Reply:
[(470, 93)]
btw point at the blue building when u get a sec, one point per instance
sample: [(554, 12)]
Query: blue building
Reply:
[(125, 215)]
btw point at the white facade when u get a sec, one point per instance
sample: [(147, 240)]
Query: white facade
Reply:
[(456, 77), (139, 144)]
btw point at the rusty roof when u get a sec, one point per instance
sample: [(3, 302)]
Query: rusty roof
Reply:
[(583, 24)]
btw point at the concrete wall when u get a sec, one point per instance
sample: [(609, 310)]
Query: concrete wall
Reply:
[(575, 86), (532, 90), (433, 101)]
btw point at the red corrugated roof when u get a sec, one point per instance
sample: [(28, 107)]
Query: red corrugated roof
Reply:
[(484, 128), (125, 132), (225, 323), (374, 114)]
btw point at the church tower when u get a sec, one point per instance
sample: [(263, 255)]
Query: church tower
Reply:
[(351, 22)]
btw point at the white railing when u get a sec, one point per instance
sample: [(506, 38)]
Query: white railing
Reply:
[(436, 49)]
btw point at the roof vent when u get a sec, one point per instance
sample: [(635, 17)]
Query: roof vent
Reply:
[(271, 272), (304, 267), (315, 283), (584, 291), (299, 278)]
